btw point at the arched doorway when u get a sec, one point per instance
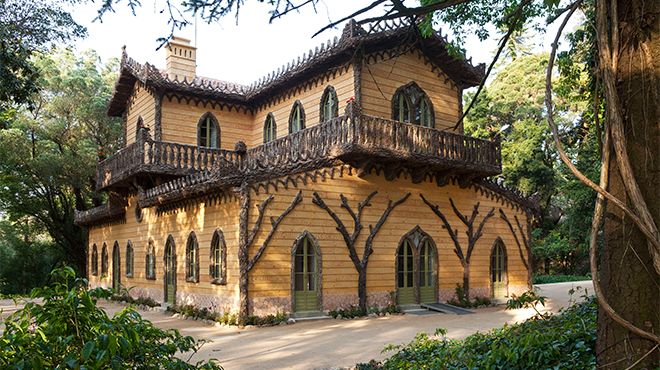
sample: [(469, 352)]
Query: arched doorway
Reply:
[(498, 273), (416, 269), (116, 267), (306, 271), (170, 271)]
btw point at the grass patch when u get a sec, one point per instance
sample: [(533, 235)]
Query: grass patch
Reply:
[(549, 279), (563, 341)]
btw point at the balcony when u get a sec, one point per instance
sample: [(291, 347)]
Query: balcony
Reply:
[(365, 142)]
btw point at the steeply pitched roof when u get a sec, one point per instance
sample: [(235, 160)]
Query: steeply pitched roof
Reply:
[(379, 37)]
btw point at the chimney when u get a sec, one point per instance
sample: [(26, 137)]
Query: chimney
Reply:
[(181, 59)]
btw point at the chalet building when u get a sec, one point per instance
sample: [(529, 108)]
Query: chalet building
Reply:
[(341, 178)]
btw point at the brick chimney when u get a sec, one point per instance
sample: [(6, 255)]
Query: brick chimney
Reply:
[(181, 59)]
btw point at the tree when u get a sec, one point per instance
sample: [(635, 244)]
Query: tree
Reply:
[(247, 238), (48, 154), (473, 235), (350, 239), (28, 27)]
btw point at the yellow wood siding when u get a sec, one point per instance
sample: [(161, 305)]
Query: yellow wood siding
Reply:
[(141, 104), (271, 276), (310, 97), (180, 119), (381, 78)]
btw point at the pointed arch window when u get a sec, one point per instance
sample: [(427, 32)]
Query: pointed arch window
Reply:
[(297, 118), (208, 131), (150, 261), (329, 104), (129, 259), (411, 104), (104, 260), (270, 128), (192, 258), (218, 266), (95, 261)]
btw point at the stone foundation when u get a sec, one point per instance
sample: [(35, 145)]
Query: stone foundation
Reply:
[(155, 294), (262, 306), (214, 303)]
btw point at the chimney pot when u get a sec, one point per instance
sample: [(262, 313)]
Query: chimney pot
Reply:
[(181, 59)]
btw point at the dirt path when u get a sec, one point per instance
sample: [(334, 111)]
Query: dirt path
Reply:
[(324, 344)]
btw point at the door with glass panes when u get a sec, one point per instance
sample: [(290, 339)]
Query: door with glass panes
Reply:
[(306, 276), (416, 270), (116, 269), (498, 271), (170, 273)]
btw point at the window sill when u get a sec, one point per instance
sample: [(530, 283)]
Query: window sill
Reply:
[(129, 275), (151, 278), (192, 280), (219, 282)]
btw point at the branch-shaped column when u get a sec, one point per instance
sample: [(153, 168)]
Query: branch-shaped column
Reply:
[(246, 240), (350, 238), (473, 235), (527, 261)]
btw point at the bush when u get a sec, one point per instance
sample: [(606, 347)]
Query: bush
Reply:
[(69, 330), (460, 300), (548, 279), (355, 311), (563, 341), (123, 295), (227, 318)]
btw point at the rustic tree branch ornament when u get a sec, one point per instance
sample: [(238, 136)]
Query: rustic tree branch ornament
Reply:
[(527, 261), (246, 240), (350, 238), (472, 234)]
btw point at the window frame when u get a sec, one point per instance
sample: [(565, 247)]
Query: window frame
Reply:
[(104, 260), (151, 253), (130, 259), (218, 243), (213, 123), (328, 93), (192, 258), (270, 118), (416, 98), (94, 268), (297, 107)]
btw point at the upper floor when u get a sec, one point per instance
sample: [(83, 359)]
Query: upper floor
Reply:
[(384, 96)]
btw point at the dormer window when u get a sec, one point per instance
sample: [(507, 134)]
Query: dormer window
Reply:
[(329, 104), (411, 104), (208, 131), (270, 128), (296, 118)]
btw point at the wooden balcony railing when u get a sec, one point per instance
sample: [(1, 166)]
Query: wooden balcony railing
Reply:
[(349, 138)]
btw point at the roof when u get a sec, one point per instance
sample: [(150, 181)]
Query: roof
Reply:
[(379, 37)]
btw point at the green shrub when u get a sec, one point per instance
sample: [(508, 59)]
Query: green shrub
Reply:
[(548, 279), (123, 295), (563, 341), (69, 331), (268, 320), (355, 311), (460, 299), (227, 318)]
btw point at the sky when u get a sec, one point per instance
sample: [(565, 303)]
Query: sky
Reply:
[(242, 52)]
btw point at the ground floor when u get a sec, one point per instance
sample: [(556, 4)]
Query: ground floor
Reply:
[(306, 344), (313, 242)]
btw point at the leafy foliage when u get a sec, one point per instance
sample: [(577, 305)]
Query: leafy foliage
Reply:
[(69, 331), (549, 279), (354, 311), (563, 341), (462, 300), (48, 155)]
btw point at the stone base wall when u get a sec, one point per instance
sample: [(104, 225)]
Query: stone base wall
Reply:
[(155, 294), (262, 306), (214, 303)]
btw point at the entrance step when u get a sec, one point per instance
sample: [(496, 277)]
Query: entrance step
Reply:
[(309, 315), (446, 308)]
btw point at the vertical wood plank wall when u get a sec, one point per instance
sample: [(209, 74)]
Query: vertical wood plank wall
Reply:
[(141, 104), (382, 77)]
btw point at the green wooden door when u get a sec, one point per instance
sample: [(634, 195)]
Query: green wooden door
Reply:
[(170, 275), (116, 269), (306, 277), (498, 271), (405, 291), (427, 274)]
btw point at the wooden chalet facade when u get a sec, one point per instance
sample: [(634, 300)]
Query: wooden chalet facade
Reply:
[(338, 179)]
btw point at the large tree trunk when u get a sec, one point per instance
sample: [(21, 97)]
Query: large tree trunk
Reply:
[(466, 281), (627, 274), (243, 257)]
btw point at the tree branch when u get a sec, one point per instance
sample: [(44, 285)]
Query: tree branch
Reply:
[(341, 227), (476, 236), (515, 237), (368, 248), (447, 226), (274, 223), (257, 225)]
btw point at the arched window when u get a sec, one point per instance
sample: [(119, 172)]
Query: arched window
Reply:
[(129, 259), (329, 104), (104, 260), (150, 261), (208, 131), (218, 267), (270, 128), (95, 261), (296, 118), (411, 104), (192, 259), (498, 270)]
